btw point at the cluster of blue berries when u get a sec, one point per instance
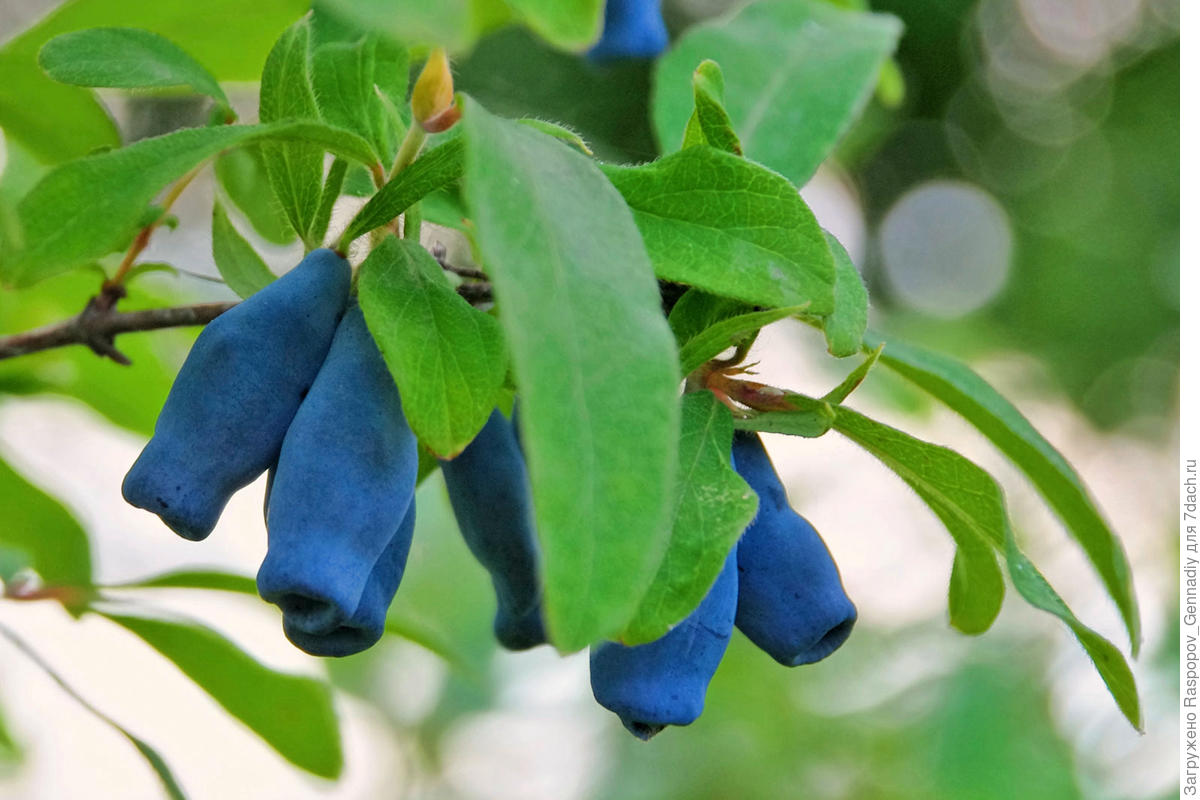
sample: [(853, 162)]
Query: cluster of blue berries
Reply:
[(291, 382)]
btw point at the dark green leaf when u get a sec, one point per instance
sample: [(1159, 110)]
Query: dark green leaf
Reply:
[(292, 714), (286, 93), (710, 123), (595, 367), (731, 227), (81, 210), (153, 758), (963, 390), (125, 58), (38, 526), (713, 505), (59, 122), (437, 168), (969, 502), (243, 176), (797, 73), (446, 356), (725, 334), (847, 324), (569, 24), (242, 268)]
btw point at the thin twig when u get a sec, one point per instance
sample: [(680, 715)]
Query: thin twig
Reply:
[(96, 326)]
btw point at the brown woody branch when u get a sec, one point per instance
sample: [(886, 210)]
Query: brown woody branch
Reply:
[(98, 324)]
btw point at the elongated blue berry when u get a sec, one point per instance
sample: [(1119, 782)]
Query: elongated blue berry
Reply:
[(664, 682), (228, 410), (489, 491), (340, 495), (632, 29), (790, 597)]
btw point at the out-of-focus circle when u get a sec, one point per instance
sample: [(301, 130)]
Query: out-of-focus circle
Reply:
[(946, 248)]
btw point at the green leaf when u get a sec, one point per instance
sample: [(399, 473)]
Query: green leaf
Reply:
[(59, 122), (292, 714), (725, 334), (809, 418), (391, 75), (432, 171), (710, 123), (970, 503), (329, 195), (713, 505), (157, 763), (286, 93), (852, 381), (454, 24), (569, 24), (965, 498), (405, 625), (37, 525), (729, 226), (81, 210), (242, 268), (595, 367), (562, 132), (847, 324), (194, 579), (697, 311), (125, 58), (963, 390), (447, 357), (797, 73), (343, 75), (243, 176), (10, 751)]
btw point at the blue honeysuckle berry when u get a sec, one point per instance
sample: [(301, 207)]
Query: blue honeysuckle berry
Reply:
[(632, 29), (341, 493), (230, 406), (664, 682), (790, 597), (489, 491)]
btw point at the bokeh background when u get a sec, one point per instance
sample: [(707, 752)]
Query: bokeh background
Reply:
[(1019, 208)]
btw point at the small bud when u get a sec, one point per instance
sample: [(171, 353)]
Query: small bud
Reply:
[(433, 103)]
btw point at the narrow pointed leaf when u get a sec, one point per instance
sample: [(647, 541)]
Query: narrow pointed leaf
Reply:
[(435, 169), (293, 714), (46, 536), (595, 367), (971, 505), (797, 73), (959, 387), (286, 93), (710, 123), (725, 334), (731, 227)]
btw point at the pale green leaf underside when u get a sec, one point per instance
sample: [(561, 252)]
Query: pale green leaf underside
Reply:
[(731, 227), (595, 367), (713, 505), (797, 73), (447, 357)]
